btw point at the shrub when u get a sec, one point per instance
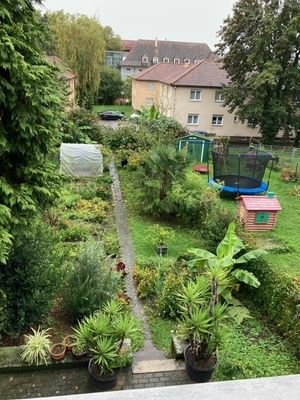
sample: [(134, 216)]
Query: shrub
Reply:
[(111, 244), (91, 282), (90, 210), (32, 277), (279, 297), (75, 232)]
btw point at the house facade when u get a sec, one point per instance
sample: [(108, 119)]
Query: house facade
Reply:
[(191, 94), (115, 58), (146, 53)]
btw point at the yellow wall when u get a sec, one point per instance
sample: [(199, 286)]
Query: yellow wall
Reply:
[(175, 102)]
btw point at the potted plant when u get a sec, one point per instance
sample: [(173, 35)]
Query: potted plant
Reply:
[(57, 351), (109, 328), (207, 303), (69, 341), (36, 348), (159, 235)]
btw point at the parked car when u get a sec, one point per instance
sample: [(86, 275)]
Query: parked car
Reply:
[(111, 115)]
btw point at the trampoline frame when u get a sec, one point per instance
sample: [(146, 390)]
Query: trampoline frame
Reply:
[(262, 188)]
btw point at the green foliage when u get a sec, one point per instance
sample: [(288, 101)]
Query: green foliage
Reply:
[(89, 45), (91, 282), (31, 104), (36, 348), (111, 86), (159, 235), (160, 170), (112, 41), (32, 277), (103, 335), (259, 48), (278, 297)]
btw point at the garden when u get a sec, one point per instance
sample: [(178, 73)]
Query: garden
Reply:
[(230, 295)]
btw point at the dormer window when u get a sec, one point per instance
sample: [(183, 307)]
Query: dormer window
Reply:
[(187, 61), (197, 61), (176, 60), (166, 60), (145, 60), (155, 60)]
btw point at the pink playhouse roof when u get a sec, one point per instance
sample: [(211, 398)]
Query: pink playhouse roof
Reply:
[(260, 203)]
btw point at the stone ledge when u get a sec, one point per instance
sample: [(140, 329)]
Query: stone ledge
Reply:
[(10, 361)]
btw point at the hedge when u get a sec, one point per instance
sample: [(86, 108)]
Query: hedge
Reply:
[(279, 297)]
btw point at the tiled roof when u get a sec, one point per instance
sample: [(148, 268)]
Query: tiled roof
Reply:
[(260, 203), (127, 45), (203, 74), (166, 49)]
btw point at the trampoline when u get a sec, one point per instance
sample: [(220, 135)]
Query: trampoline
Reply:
[(240, 170)]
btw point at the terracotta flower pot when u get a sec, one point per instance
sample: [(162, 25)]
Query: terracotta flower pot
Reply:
[(69, 341), (58, 351)]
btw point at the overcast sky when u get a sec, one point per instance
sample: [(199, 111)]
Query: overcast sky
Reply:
[(181, 20)]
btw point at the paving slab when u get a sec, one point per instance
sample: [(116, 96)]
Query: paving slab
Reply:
[(146, 366)]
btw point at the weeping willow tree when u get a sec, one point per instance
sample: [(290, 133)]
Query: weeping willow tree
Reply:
[(80, 43)]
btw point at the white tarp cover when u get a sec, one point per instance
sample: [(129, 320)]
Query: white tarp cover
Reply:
[(81, 159)]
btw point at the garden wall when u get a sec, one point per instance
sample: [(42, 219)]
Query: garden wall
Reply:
[(279, 297)]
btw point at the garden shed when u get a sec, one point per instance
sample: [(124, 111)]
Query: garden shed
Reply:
[(81, 160), (197, 146), (259, 213)]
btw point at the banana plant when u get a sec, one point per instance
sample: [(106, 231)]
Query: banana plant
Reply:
[(222, 268)]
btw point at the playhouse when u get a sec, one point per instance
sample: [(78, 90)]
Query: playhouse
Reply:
[(258, 213)]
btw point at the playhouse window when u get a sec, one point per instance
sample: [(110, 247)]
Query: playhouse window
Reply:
[(262, 217)]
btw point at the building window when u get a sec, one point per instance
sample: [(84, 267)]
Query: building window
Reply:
[(219, 96), (151, 86), (187, 61), (193, 119), (166, 60), (155, 60), (217, 120), (144, 59), (176, 60), (128, 69), (236, 119), (149, 101), (195, 95), (197, 61)]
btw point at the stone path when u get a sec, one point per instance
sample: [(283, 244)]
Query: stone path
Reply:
[(149, 352)]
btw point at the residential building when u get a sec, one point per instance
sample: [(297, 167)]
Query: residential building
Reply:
[(67, 76), (146, 53), (192, 94), (114, 59)]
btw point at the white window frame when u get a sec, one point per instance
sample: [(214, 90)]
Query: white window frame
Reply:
[(176, 60), (219, 120), (219, 96), (145, 60), (197, 61), (150, 86), (194, 96), (193, 119), (236, 119), (166, 60), (186, 61), (155, 60)]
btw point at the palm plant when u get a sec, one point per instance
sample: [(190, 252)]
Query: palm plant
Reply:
[(37, 346)]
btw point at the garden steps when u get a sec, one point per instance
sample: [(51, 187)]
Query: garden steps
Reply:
[(160, 365), (149, 352)]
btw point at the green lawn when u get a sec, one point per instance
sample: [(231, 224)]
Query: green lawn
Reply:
[(127, 110), (250, 350)]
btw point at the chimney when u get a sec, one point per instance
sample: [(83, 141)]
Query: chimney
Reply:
[(156, 48), (155, 45)]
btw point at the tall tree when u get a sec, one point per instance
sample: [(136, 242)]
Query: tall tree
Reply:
[(260, 46), (112, 41), (81, 42), (111, 85), (31, 109)]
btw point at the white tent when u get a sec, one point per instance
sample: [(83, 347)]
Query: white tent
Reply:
[(81, 159)]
